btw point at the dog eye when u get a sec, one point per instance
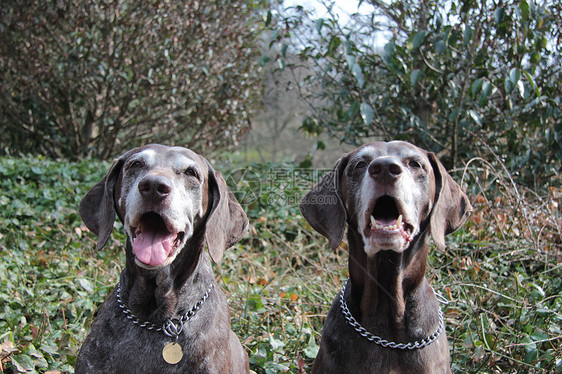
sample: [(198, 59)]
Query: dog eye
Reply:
[(135, 164), (414, 164), (360, 165), (190, 172)]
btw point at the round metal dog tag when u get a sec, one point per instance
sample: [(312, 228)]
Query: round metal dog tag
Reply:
[(172, 353)]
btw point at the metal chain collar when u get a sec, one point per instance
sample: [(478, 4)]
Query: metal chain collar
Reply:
[(172, 327), (385, 343)]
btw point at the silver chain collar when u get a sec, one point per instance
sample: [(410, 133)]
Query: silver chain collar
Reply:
[(380, 341), (172, 327)]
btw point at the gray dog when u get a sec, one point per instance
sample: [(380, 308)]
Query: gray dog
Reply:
[(166, 315), (393, 197)]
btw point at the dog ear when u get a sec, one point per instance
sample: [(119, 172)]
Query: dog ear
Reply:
[(97, 207), (227, 222), (451, 205), (323, 206)]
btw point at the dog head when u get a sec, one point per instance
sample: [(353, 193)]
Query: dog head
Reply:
[(161, 194), (389, 193)]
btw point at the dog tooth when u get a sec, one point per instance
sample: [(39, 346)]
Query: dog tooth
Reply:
[(399, 221), (373, 222)]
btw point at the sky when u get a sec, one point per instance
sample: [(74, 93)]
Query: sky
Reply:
[(344, 8)]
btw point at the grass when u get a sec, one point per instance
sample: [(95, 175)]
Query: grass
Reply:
[(500, 272)]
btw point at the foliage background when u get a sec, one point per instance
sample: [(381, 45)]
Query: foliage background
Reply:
[(476, 82), (456, 78), (500, 273), (95, 78)]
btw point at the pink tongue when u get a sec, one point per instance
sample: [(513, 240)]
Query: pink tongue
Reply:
[(386, 222), (153, 247)]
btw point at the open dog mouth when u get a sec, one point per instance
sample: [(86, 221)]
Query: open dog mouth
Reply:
[(153, 241), (386, 219)]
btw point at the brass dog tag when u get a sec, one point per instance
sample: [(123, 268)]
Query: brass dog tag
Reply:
[(172, 353)]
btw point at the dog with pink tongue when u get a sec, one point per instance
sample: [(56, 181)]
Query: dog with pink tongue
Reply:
[(166, 314)]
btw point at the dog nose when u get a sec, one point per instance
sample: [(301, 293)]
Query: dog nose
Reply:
[(385, 169), (155, 187)]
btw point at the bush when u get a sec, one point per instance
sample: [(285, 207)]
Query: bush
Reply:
[(94, 78), (462, 79)]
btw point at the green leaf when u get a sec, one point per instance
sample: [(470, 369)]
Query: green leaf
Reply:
[(389, 49), (486, 90), (37, 357), (532, 354), (453, 115), (538, 289), (37, 170), (264, 60), (467, 35), (440, 46), (311, 350), (415, 77), (49, 348), (476, 117), (514, 75), (388, 53), (350, 60), (490, 341), (275, 343), (358, 74), (319, 24), (133, 104), (348, 47), (538, 336), (419, 38), (367, 113), (256, 304), (333, 45), (524, 8), (23, 363), (535, 57), (540, 23), (86, 284), (284, 47), (498, 16), (476, 86), (508, 86), (268, 18), (532, 82), (521, 88)]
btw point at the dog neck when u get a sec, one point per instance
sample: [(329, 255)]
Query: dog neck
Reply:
[(156, 295), (387, 286)]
